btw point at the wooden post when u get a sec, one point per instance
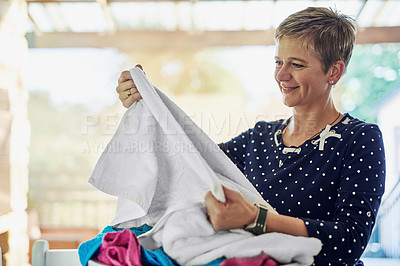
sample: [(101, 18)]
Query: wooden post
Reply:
[(14, 133)]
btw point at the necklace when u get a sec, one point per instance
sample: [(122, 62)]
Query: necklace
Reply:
[(297, 150), (286, 150)]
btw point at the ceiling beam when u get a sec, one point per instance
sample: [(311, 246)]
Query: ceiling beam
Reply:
[(108, 18), (84, 1), (378, 35), (176, 40), (132, 39)]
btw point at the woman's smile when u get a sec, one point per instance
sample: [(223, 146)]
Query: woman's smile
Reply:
[(288, 89)]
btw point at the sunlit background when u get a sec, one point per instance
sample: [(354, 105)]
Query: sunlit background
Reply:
[(59, 65)]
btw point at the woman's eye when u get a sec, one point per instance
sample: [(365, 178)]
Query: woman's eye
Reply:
[(297, 65)]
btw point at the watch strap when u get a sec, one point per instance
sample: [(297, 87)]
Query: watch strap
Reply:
[(259, 225)]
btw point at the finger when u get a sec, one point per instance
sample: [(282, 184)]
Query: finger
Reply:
[(140, 66), (131, 91), (131, 99), (229, 193), (124, 76), (211, 201), (128, 102), (208, 197), (126, 85), (136, 96), (123, 96)]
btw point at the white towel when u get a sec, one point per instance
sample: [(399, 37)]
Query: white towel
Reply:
[(190, 240), (160, 159), (161, 165)]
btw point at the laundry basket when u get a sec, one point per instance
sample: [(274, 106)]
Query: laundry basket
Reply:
[(43, 256)]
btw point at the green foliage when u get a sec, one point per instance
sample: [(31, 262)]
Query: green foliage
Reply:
[(53, 132), (373, 74), (189, 72), (203, 74)]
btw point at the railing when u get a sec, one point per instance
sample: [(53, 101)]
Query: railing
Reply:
[(75, 204), (389, 223)]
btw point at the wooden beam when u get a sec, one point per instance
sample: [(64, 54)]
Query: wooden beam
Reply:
[(175, 40), (110, 1), (129, 40), (108, 18), (378, 35)]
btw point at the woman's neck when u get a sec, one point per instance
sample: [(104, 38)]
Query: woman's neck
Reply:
[(305, 125)]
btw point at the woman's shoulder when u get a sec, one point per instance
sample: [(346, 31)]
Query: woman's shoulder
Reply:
[(354, 128), (270, 125), (354, 125), (260, 129)]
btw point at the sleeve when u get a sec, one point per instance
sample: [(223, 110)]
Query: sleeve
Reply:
[(236, 148), (359, 195)]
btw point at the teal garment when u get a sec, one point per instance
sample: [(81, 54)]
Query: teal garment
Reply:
[(155, 257), (90, 249)]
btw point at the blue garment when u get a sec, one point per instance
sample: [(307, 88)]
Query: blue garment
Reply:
[(336, 191), (90, 249)]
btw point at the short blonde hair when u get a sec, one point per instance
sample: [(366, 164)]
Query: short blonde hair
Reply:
[(329, 34)]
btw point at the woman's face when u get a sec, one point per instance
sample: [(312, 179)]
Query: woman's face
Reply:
[(300, 75)]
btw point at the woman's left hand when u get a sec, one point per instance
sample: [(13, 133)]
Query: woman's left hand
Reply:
[(126, 89), (235, 213)]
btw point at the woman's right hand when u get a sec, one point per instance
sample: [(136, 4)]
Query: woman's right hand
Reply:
[(127, 91)]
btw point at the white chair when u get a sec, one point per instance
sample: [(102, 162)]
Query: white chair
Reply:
[(43, 256)]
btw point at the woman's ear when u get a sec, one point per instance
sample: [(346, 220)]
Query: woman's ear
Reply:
[(336, 72)]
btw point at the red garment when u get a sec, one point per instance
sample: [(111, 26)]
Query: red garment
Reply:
[(120, 248), (259, 260)]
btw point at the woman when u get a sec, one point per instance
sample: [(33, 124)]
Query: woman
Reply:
[(322, 171)]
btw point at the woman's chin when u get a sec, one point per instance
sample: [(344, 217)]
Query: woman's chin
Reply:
[(287, 102)]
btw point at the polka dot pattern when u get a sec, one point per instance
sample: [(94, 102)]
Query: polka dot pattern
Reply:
[(336, 191)]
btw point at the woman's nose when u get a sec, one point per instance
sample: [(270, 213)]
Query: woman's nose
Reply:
[(282, 74)]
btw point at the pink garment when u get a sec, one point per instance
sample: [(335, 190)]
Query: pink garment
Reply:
[(259, 260), (120, 248)]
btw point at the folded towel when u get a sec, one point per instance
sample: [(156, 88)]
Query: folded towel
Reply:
[(260, 260), (120, 249), (161, 165)]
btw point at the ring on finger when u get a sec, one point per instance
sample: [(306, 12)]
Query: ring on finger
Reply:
[(129, 92)]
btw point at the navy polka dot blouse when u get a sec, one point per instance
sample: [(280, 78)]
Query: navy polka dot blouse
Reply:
[(334, 186)]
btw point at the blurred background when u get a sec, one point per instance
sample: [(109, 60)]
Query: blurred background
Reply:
[(59, 65)]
